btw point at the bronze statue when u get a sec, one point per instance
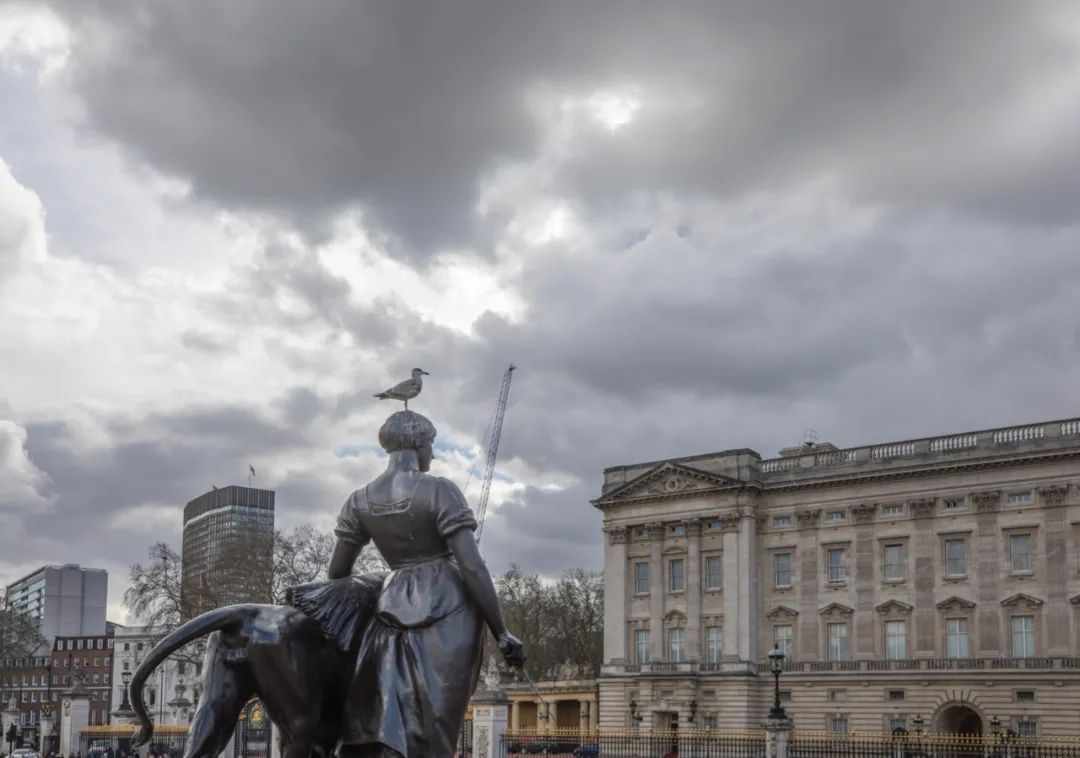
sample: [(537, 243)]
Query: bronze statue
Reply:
[(376, 665)]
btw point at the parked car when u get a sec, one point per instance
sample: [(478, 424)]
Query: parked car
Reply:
[(97, 748), (587, 751), (24, 752)]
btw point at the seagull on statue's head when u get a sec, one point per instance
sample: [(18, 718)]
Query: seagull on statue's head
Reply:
[(407, 390)]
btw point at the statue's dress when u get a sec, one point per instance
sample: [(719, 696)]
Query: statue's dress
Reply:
[(419, 657)]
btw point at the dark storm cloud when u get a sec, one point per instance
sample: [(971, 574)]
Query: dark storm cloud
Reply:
[(403, 107)]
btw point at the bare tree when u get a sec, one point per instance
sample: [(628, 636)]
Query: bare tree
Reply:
[(303, 555), (154, 595), (19, 633)]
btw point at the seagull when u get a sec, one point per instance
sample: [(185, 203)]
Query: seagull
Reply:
[(407, 390)]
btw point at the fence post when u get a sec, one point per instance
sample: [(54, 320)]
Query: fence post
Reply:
[(777, 737), (489, 723), (74, 717)]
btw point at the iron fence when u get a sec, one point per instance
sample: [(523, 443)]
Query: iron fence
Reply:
[(465, 740), (911, 745), (634, 743), (115, 742)]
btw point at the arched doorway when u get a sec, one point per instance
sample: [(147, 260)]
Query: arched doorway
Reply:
[(960, 719)]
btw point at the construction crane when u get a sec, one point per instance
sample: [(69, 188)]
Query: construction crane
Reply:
[(494, 432)]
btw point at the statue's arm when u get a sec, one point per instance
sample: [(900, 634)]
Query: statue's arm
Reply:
[(341, 562), (462, 544)]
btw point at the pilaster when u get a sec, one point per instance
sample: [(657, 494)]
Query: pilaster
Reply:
[(615, 596), (693, 591), (657, 591)]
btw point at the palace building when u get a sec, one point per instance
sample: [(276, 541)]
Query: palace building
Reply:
[(933, 580)]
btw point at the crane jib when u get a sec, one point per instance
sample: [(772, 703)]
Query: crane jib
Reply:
[(493, 450)]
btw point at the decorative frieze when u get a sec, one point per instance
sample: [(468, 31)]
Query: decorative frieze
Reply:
[(986, 502), (808, 518), (1054, 494), (617, 535), (921, 508), (863, 512)]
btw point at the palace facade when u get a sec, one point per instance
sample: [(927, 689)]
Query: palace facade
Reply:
[(935, 579)]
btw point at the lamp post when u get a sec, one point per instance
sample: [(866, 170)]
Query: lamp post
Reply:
[(635, 717), (776, 664), (918, 723)]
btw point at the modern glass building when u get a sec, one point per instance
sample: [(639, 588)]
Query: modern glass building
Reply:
[(66, 600), (228, 548)]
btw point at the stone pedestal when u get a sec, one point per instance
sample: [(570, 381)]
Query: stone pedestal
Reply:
[(46, 723), (777, 737), (10, 715), (74, 717), (489, 723)]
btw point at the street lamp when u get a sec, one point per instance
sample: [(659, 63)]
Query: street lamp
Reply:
[(918, 723), (693, 711), (125, 704), (995, 725), (634, 715), (776, 663)]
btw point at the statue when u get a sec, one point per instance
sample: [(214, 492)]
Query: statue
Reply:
[(374, 665)]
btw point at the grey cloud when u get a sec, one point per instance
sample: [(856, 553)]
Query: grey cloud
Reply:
[(403, 107)]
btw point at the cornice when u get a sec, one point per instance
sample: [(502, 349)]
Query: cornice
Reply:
[(671, 481), (923, 469)]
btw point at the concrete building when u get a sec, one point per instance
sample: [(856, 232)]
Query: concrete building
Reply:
[(227, 548), (173, 690), (936, 577), (66, 601)]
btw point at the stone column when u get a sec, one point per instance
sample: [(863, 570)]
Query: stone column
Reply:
[(732, 579), (489, 723), (777, 737), (693, 591), (747, 588), (1054, 564), (657, 591), (583, 715), (863, 578), (515, 716), (615, 570), (923, 572), (984, 562), (594, 715), (275, 741), (74, 717)]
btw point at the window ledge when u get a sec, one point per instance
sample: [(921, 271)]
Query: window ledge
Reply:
[(782, 586), (1022, 574), (893, 581)]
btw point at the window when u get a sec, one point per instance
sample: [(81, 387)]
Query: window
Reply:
[(956, 638), (127, 665), (127, 646), (152, 697), (675, 568), (782, 570), (709, 722), (838, 724), (678, 529), (838, 642), (675, 645), (894, 563), (713, 572), (1021, 552), (1025, 696), (896, 723), (78, 645), (893, 510), (834, 516), (955, 504), (781, 521), (1023, 636), (836, 559), (1026, 727), (714, 642), (955, 557), (1019, 498), (641, 645), (895, 640), (641, 578), (895, 695), (782, 637)]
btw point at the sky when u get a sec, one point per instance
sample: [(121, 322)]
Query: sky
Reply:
[(692, 226)]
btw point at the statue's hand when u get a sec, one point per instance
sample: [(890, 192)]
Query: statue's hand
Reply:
[(513, 652)]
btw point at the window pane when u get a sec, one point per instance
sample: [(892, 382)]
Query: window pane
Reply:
[(641, 645), (1023, 636), (676, 575), (837, 567), (894, 562), (675, 645), (1020, 548), (782, 563), (956, 638), (895, 640), (955, 557), (641, 578), (783, 638), (838, 642), (713, 644), (712, 572)]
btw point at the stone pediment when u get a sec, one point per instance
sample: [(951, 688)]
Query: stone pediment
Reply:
[(835, 610), (893, 607), (668, 480), (955, 603), (673, 549), (781, 612), (1075, 600), (1021, 600), (674, 615)]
